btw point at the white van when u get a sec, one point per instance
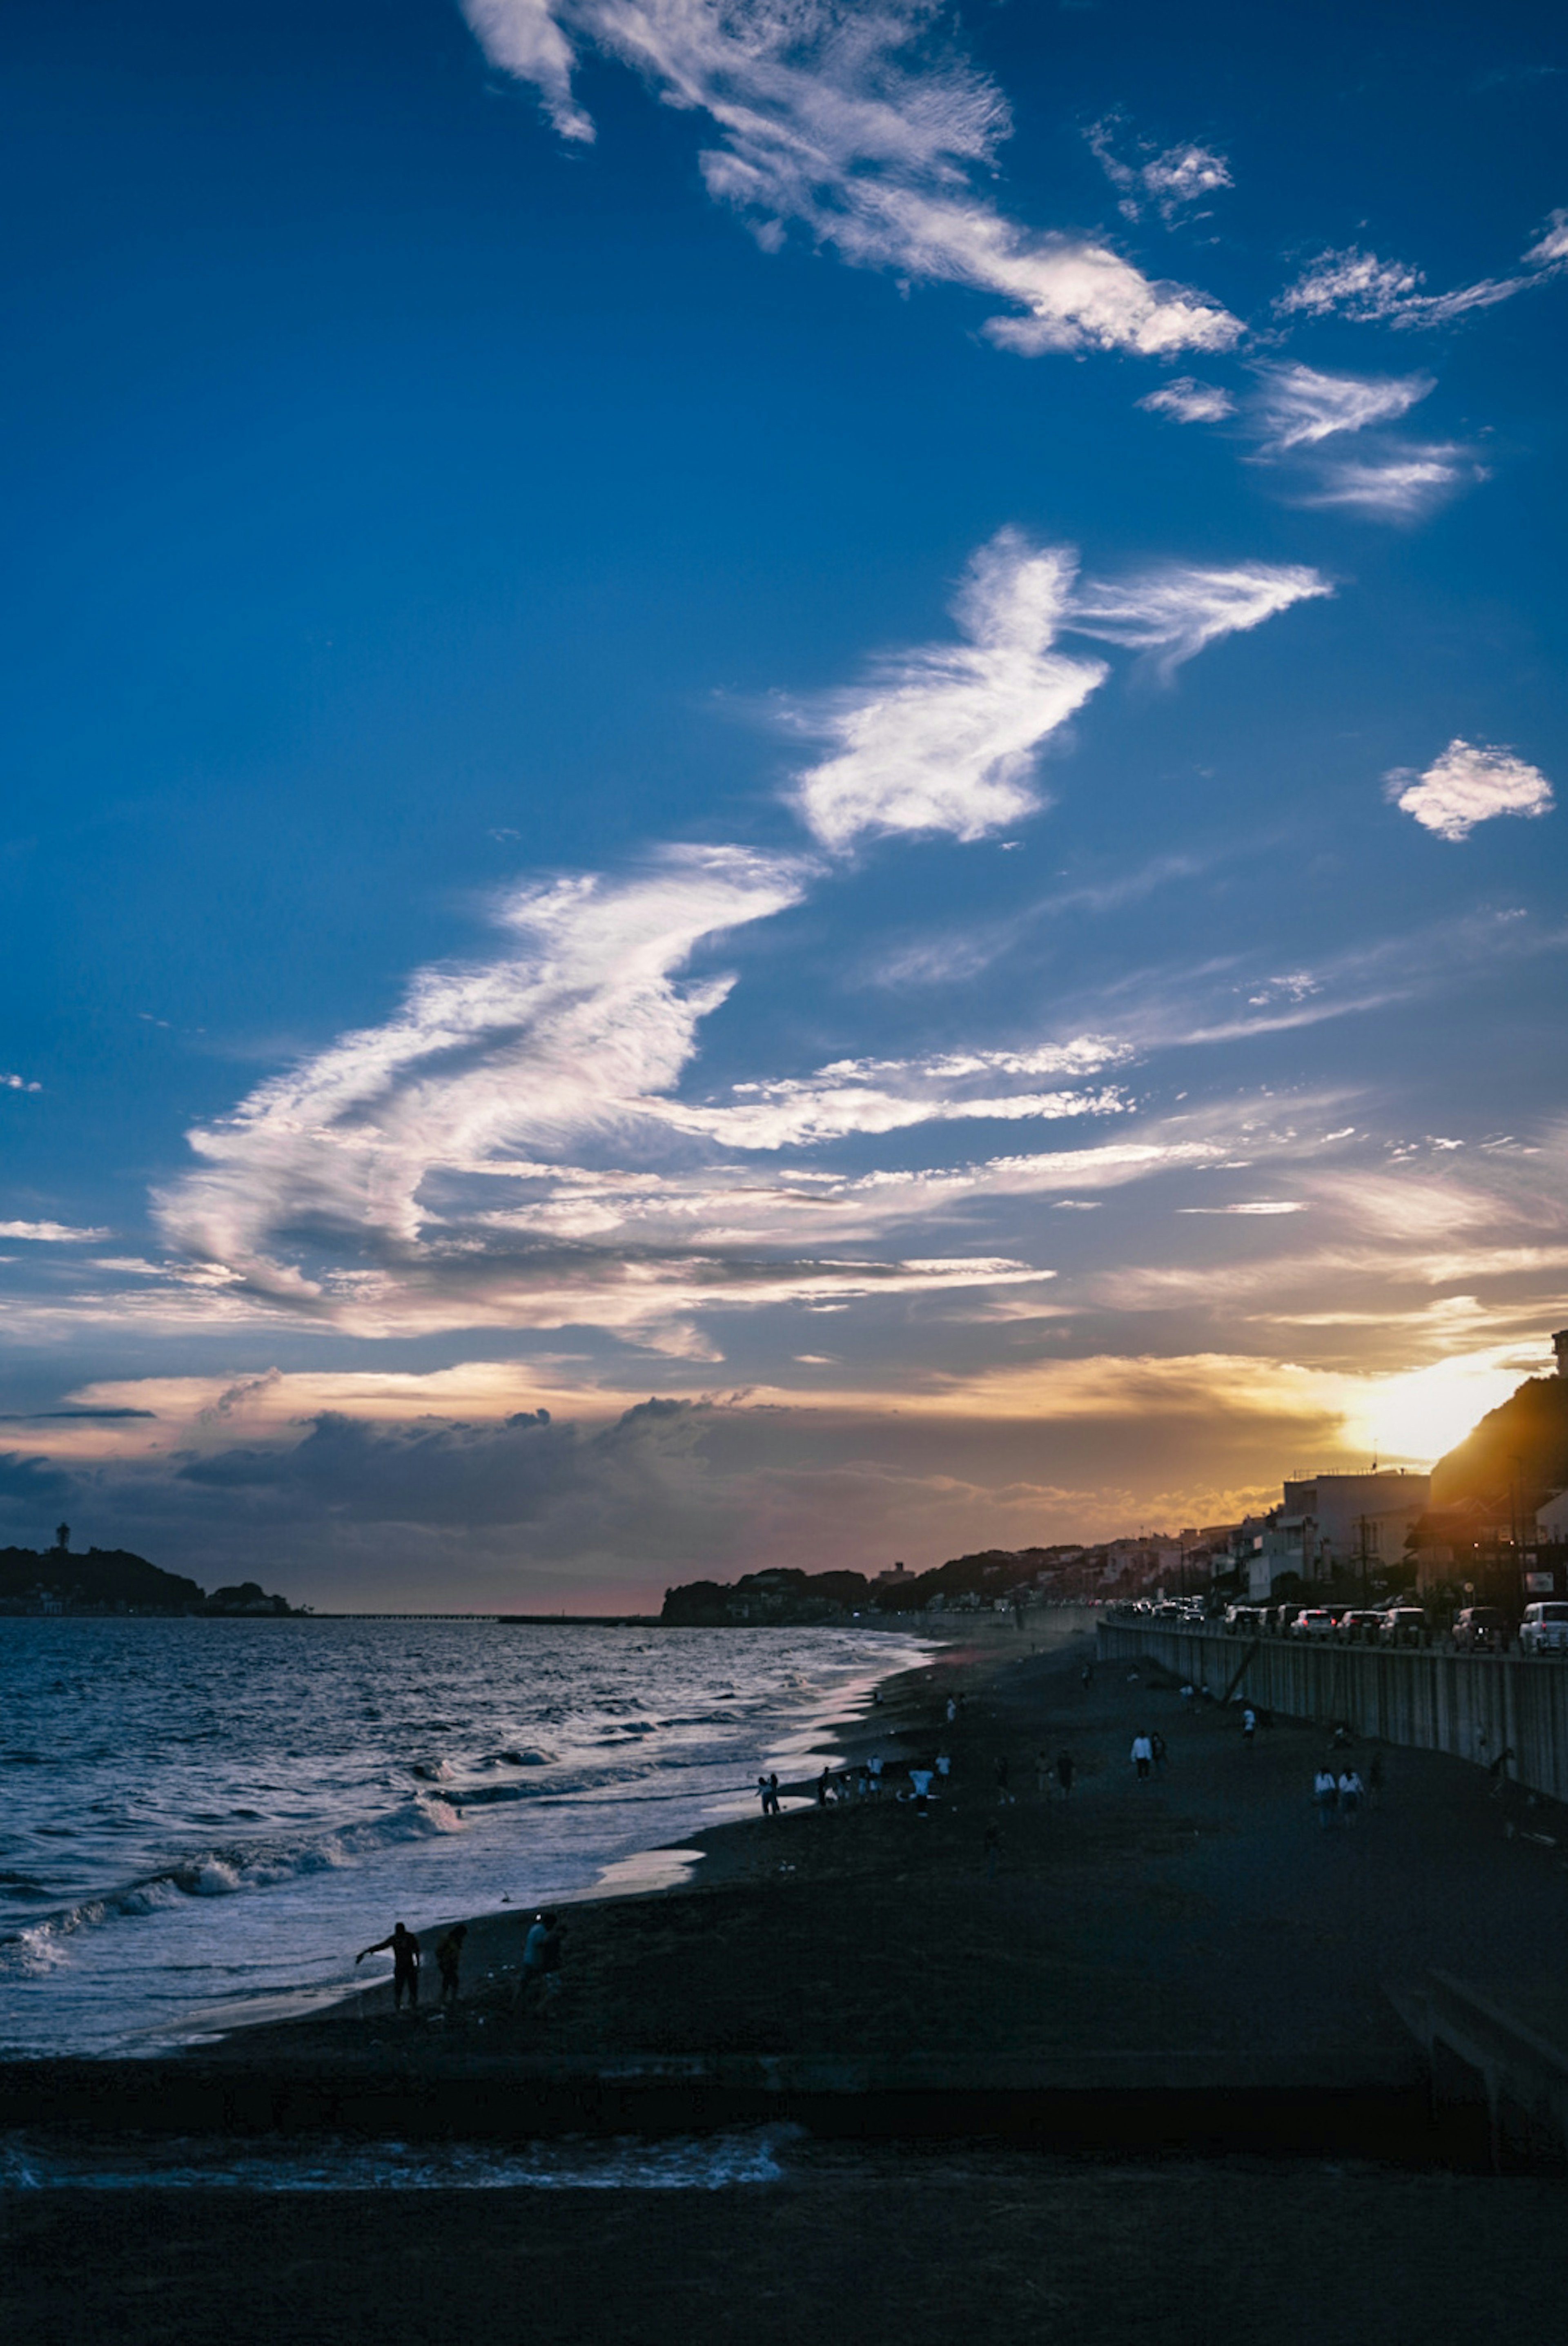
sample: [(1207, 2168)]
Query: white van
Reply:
[(1544, 1630)]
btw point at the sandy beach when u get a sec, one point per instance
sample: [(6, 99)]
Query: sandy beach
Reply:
[(1135, 2062)]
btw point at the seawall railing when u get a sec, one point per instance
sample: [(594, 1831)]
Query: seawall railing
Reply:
[(1477, 1707)]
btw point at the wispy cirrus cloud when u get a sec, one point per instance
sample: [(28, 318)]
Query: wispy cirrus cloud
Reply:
[(1469, 785), (946, 738), (1174, 182), (1360, 286), (1173, 613), (855, 124), (1297, 406), (51, 1233)]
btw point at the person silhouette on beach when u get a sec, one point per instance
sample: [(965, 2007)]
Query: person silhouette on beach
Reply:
[(1064, 1771), (404, 1949), (449, 1962)]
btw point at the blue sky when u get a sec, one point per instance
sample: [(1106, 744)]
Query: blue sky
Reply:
[(849, 718)]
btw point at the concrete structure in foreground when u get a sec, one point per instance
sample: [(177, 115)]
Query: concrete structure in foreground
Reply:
[(1473, 1706)]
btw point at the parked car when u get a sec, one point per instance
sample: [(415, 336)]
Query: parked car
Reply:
[(1480, 1629), (1317, 1621), (1544, 1630), (1358, 1626), (1402, 1624), (1242, 1620)]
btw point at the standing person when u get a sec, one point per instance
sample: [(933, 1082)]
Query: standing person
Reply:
[(1375, 1775), (951, 1710), (1064, 1771), (920, 1779), (1088, 1674), (1157, 1745), (763, 1792), (876, 1772), (1248, 1726), (824, 1787), (405, 1965), (1326, 1793), (449, 1962), (1350, 1789), (773, 1808), (1042, 1775), (1001, 1772), (993, 1846), (1142, 1756), (944, 1763)]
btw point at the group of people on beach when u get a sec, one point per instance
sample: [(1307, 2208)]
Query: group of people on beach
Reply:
[(541, 1966)]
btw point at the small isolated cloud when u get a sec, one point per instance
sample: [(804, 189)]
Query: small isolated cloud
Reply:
[(1252, 1206), (944, 738), (51, 1233), (1175, 612), (1186, 401), (1468, 785), (854, 125), (1395, 488), (1297, 406), (18, 1084), (1175, 181)]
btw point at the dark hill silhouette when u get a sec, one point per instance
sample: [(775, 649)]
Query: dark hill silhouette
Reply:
[(106, 1579), (1516, 1458)]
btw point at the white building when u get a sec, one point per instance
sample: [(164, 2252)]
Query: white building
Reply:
[(1348, 1517), (1551, 1520)]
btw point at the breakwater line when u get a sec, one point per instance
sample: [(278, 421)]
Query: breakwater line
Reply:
[(1475, 1707)]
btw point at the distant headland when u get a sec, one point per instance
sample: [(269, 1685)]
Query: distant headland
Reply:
[(110, 1580)]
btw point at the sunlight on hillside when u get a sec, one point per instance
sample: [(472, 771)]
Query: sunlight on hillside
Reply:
[(1413, 1418)]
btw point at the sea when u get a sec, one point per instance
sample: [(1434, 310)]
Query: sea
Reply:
[(201, 1821)]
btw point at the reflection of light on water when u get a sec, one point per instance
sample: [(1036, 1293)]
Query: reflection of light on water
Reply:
[(1415, 1416), (650, 1869)]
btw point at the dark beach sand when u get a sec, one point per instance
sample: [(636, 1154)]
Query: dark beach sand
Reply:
[(1189, 1964)]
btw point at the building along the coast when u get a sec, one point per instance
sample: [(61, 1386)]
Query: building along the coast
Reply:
[(1334, 1522)]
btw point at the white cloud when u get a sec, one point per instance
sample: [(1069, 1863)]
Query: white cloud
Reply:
[(554, 1041), (51, 1233), (1550, 249), (831, 119), (1358, 286), (18, 1084), (1252, 1206), (1176, 611), (946, 738), (1395, 488), (1190, 401), (1297, 406), (873, 1095), (1468, 785), (1174, 182), (523, 38)]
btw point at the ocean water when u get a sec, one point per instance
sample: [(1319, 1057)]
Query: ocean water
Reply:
[(201, 1821)]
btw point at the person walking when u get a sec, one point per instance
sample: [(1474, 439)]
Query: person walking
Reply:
[(1002, 1794), (1248, 1726), (1375, 1775), (449, 1962), (1064, 1771), (951, 1710), (824, 1788), (542, 1956), (1142, 1756), (920, 1781), (404, 1949), (1157, 1745), (1350, 1789), (993, 1846), (772, 1807), (876, 1772), (1326, 1793)]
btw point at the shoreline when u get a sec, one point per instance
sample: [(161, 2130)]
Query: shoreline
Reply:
[(1186, 1964)]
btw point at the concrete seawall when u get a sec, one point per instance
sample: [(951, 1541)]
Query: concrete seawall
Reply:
[(1473, 1706)]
